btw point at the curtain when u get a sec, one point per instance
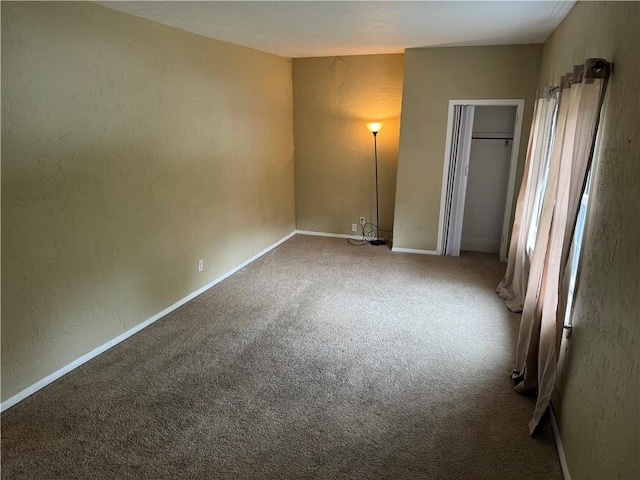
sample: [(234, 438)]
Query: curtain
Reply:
[(581, 97), (512, 288)]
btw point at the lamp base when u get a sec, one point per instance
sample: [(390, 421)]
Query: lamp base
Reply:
[(377, 242)]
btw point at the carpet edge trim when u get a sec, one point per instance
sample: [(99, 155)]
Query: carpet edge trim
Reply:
[(52, 377), (414, 250), (559, 447)]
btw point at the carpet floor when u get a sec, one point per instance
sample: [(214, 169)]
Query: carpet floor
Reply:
[(320, 360)]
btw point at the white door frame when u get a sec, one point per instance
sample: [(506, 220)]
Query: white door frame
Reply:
[(513, 165)]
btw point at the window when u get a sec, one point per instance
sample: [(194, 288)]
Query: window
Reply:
[(577, 242), (541, 182)]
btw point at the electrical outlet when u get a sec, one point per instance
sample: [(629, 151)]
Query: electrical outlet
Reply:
[(362, 221), (354, 227), (200, 265)]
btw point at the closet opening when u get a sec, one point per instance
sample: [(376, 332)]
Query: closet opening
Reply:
[(480, 165)]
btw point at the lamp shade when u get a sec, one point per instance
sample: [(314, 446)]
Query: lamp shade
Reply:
[(374, 127)]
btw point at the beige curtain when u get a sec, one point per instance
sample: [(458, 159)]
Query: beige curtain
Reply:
[(513, 286), (578, 115)]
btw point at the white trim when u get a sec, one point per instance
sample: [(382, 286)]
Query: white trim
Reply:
[(498, 102), (556, 434), (508, 207), (123, 336), (325, 234), (445, 174), (517, 131), (413, 250)]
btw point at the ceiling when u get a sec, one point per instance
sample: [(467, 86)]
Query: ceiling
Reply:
[(328, 28)]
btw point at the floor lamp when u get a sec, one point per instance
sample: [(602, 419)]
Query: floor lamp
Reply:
[(374, 128)]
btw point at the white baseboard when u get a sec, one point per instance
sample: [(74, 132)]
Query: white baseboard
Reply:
[(359, 237), (324, 234), (556, 434), (413, 250), (123, 336)]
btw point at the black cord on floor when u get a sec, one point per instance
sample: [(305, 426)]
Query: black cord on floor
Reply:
[(370, 233)]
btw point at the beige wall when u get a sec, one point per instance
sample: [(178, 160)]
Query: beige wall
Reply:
[(432, 77), (334, 162), (129, 151), (598, 406)]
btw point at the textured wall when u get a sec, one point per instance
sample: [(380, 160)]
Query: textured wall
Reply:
[(334, 165), (432, 77), (129, 151), (598, 405)]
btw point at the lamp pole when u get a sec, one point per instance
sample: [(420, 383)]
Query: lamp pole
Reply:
[(375, 128)]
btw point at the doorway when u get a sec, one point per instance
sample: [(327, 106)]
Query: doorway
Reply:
[(483, 137)]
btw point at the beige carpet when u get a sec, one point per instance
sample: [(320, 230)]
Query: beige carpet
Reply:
[(320, 360)]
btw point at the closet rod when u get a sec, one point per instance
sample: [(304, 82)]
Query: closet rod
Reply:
[(492, 138)]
